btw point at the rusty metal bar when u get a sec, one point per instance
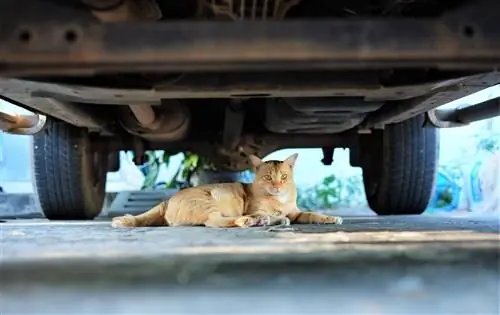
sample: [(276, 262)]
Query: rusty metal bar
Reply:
[(68, 112), (446, 42), (170, 124), (21, 124), (145, 115)]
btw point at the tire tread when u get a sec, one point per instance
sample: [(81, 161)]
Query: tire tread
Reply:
[(409, 161), (59, 175)]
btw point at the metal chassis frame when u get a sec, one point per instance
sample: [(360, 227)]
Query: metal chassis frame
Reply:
[(467, 38)]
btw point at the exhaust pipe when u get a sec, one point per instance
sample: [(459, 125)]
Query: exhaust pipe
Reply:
[(462, 116), (146, 116), (22, 124), (170, 122)]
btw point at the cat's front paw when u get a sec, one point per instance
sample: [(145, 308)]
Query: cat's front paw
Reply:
[(264, 220), (124, 221), (285, 221), (333, 220), (246, 221)]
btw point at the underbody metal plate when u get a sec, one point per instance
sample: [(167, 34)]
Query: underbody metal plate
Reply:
[(468, 38)]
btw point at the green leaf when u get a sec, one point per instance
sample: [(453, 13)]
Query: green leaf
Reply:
[(166, 159), (151, 156), (152, 175), (328, 180), (191, 161), (173, 183)]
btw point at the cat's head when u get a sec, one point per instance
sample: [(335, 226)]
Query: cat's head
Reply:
[(275, 177)]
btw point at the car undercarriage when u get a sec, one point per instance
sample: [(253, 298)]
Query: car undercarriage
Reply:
[(229, 78)]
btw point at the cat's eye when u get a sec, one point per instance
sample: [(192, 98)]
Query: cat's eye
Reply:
[(267, 177), (284, 176)]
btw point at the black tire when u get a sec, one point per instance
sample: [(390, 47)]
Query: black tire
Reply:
[(69, 179), (399, 167)]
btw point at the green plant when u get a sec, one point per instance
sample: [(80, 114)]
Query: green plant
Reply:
[(189, 165), (152, 169), (489, 142), (333, 191), (445, 198)]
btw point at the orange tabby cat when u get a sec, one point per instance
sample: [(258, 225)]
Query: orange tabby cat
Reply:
[(269, 200)]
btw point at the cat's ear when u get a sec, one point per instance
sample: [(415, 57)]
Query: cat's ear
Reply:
[(256, 161), (292, 159)]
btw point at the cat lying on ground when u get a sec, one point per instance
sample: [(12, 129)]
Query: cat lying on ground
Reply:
[(269, 200)]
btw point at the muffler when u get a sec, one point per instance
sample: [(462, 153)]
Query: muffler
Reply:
[(170, 122)]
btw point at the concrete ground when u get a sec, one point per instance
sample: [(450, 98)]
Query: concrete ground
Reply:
[(369, 265)]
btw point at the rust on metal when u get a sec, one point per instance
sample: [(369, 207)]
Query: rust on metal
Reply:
[(145, 115), (126, 10), (197, 46), (170, 124), (65, 111), (21, 124), (208, 86)]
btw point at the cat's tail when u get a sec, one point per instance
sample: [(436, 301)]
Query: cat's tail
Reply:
[(153, 217)]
